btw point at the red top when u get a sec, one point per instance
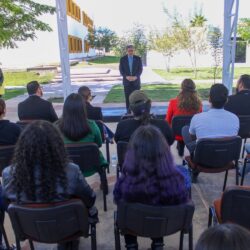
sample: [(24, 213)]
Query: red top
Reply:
[(173, 110)]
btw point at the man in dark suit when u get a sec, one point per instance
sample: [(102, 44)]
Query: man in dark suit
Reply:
[(131, 70), (239, 103), (34, 107), (94, 113)]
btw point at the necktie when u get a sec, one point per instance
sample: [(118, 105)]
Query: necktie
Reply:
[(130, 62)]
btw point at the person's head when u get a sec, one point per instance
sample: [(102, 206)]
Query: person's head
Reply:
[(34, 88), (85, 92), (218, 96), (224, 237), (188, 99), (148, 164), (2, 108), (243, 83), (74, 124), (130, 50), (140, 105), (40, 149)]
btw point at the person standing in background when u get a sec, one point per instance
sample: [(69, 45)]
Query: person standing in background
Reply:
[(131, 69), (1, 83)]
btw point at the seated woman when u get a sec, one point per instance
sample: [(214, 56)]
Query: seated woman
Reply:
[(186, 103), (149, 176), (76, 128), (9, 132), (41, 171), (224, 237), (140, 105)]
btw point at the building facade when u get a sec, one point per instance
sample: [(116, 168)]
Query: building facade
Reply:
[(44, 50)]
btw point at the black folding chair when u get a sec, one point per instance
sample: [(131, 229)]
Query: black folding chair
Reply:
[(154, 222), (52, 223), (233, 207), (6, 154), (87, 157), (244, 131), (105, 140), (121, 152), (216, 156), (246, 160), (180, 121)]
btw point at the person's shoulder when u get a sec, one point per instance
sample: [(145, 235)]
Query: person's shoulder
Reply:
[(6, 173), (14, 126), (72, 167), (173, 101), (231, 115)]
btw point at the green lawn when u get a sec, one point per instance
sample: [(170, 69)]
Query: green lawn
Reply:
[(22, 78), (157, 92), (10, 93), (202, 73)]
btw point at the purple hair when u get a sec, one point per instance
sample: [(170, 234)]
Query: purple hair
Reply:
[(149, 175)]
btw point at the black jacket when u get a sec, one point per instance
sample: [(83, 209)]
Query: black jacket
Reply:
[(9, 132), (36, 108), (126, 128), (94, 113), (136, 69), (239, 104), (77, 187)]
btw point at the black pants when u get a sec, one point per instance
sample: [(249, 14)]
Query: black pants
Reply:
[(129, 88), (131, 239)]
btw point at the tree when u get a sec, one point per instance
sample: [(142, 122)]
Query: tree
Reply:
[(102, 38), (198, 20), (19, 21), (191, 39), (244, 29), (163, 43), (216, 44)]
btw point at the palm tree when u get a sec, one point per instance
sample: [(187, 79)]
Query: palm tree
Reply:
[(198, 20)]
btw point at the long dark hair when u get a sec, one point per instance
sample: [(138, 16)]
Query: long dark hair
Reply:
[(141, 112), (74, 124), (39, 157), (149, 174), (224, 237), (188, 99)]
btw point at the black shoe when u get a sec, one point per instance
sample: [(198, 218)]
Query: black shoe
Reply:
[(72, 245), (132, 247), (157, 246)]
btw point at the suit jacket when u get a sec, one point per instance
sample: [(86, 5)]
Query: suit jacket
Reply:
[(94, 113), (136, 69), (239, 104), (36, 108)]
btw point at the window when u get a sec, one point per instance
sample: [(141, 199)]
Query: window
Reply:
[(87, 21), (240, 52), (73, 10), (75, 44)]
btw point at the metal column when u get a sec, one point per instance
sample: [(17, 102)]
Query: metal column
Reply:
[(231, 9), (63, 43)]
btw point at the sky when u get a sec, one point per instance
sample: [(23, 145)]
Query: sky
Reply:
[(120, 15)]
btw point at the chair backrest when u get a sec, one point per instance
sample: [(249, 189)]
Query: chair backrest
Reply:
[(49, 223), (217, 153), (236, 206), (178, 122), (6, 154), (23, 123), (100, 126), (121, 151), (244, 131), (85, 155), (151, 221)]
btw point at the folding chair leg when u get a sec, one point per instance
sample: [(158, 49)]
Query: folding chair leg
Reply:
[(31, 245), (243, 149), (4, 236), (117, 171), (190, 238), (225, 181), (243, 172), (108, 155), (210, 216), (18, 244), (93, 237), (181, 240), (104, 183), (237, 173), (117, 239)]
